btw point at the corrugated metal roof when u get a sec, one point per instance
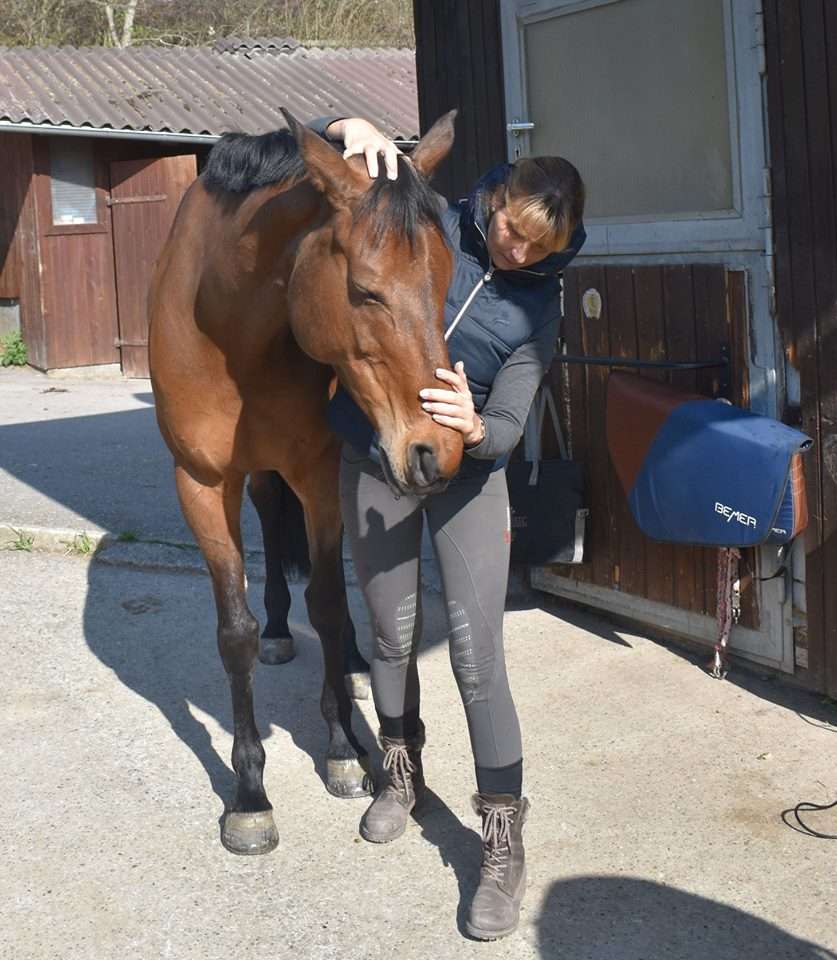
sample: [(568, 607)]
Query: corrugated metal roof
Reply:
[(256, 44), (206, 91)]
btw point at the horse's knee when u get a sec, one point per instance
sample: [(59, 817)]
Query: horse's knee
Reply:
[(238, 642), (327, 607)]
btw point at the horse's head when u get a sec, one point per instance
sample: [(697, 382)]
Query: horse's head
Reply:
[(367, 297)]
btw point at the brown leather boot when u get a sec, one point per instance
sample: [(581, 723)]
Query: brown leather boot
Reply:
[(495, 910), (386, 817)]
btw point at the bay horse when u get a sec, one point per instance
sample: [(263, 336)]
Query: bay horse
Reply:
[(287, 266)]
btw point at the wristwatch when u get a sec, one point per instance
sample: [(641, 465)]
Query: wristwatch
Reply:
[(480, 438)]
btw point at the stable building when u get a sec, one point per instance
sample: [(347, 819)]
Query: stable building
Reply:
[(706, 134), (99, 146)]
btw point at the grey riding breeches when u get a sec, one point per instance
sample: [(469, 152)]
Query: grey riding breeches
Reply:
[(469, 529)]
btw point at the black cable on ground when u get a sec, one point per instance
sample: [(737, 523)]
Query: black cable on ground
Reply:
[(806, 806)]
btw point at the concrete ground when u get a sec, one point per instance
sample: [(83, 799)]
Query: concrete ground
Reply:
[(657, 793), (87, 455)]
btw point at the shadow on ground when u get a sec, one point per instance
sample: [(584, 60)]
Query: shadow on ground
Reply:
[(165, 651), (109, 471), (811, 708), (625, 918)]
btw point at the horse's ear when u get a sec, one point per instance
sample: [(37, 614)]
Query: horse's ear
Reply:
[(327, 170), (435, 145)]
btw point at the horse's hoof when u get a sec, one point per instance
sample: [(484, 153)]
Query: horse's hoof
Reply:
[(249, 834), (349, 778), (275, 650), (357, 685)]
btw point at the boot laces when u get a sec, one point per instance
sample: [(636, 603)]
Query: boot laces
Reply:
[(399, 766), (496, 835)]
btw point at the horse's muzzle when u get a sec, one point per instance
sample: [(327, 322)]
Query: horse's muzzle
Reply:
[(424, 469), (422, 474)]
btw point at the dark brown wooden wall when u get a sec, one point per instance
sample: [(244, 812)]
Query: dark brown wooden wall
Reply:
[(77, 276), (19, 269), (63, 277), (145, 195), (653, 313), (17, 160), (459, 64), (801, 39)]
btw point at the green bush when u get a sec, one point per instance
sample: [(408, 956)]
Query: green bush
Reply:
[(12, 350)]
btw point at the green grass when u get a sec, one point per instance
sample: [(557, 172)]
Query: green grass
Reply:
[(80, 546), (12, 350), (23, 541), (127, 536)]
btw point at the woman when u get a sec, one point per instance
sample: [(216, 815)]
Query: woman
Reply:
[(510, 241)]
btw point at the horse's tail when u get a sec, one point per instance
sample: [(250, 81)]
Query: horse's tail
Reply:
[(293, 539)]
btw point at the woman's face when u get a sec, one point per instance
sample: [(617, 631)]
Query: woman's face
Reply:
[(508, 247)]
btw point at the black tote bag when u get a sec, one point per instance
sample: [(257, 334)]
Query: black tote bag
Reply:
[(546, 497)]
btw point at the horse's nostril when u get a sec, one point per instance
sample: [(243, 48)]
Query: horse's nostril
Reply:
[(424, 464)]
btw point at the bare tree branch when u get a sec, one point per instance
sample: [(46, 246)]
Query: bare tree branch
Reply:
[(114, 37), (129, 11), (128, 23)]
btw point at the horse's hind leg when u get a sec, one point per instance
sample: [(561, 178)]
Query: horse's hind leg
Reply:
[(277, 644), (214, 514), (347, 763), (266, 489)]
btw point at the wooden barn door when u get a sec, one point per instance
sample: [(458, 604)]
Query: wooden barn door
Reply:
[(652, 313), (144, 198)]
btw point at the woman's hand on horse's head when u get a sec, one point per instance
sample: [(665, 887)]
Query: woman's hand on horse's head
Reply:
[(455, 407), (361, 138)]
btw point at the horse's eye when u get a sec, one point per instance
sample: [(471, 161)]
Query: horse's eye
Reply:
[(365, 294)]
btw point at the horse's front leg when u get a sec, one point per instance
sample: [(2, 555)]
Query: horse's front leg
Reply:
[(213, 513), (347, 763)]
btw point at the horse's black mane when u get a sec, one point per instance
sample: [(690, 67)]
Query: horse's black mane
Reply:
[(239, 163)]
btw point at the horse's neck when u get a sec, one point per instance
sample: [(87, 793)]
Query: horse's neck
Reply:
[(272, 224), (252, 264)]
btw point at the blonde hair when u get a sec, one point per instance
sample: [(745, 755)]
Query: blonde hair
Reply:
[(545, 198)]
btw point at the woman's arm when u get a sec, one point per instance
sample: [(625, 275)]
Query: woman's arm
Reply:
[(510, 398), (512, 393), (505, 411)]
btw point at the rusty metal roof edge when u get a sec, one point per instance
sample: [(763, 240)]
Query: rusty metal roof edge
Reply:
[(24, 126), (127, 133)]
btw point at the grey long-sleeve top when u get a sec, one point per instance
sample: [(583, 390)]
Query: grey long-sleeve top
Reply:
[(511, 396)]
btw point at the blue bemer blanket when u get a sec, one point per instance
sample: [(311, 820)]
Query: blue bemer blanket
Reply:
[(703, 471)]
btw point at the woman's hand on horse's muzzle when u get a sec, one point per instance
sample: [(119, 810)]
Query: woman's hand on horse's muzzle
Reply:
[(455, 407)]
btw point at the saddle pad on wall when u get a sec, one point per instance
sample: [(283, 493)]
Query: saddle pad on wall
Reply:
[(702, 471)]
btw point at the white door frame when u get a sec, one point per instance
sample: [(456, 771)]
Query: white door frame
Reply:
[(740, 228)]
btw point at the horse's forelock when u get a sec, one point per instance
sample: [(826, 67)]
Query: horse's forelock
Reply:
[(400, 206)]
